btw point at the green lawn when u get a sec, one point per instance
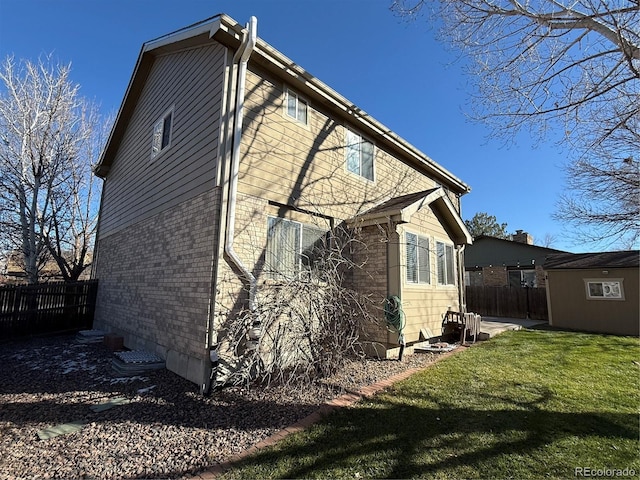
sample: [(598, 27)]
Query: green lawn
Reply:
[(527, 404)]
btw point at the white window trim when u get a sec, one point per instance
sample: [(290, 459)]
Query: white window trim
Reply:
[(160, 124), (403, 254), (453, 258), (619, 281), (287, 92), (346, 150), (299, 266)]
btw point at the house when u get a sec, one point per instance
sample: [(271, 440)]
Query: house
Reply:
[(12, 271), (228, 160), (497, 262), (594, 292)]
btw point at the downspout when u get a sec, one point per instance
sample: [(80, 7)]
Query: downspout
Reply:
[(242, 58), (234, 109), (462, 304)]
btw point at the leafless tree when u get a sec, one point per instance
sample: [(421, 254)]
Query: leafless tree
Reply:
[(47, 200), (71, 231), (548, 240), (307, 322), (558, 66)]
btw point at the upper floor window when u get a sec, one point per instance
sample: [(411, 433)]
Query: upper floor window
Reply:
[(418, 270), (359, 153), (162, 133), (296, 107), (446, 264)]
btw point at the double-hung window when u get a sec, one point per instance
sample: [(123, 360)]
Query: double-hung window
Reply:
[(292, 248), (359, 155), (296, 107), (162, 133), (417, 251), (446, 264)]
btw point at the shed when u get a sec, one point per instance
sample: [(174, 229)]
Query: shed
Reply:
[(594, 292)]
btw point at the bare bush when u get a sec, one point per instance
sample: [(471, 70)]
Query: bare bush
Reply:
[(308, 322)]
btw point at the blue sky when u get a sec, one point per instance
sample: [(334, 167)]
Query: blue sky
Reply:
[(394, 70)]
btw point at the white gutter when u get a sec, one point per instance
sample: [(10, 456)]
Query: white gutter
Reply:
[(242, 57)]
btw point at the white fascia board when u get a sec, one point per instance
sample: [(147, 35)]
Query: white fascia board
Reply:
[(338, 101), (209, 27), (408, 212), (458, 220)]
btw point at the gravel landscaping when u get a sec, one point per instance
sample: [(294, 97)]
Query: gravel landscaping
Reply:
[(163, 427)]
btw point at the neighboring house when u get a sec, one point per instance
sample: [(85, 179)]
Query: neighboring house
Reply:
[(228, 158), (495, 262), (595, 292), (12, 270)]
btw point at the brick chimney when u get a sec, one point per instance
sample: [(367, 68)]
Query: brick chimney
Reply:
[(522, 237)]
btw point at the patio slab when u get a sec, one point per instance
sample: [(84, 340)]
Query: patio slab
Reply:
[(492, 326)]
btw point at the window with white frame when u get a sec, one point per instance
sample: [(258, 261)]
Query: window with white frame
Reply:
[(445, 264), (417, 252), (162, 134), (292, 248), (601, 289), (359, 155), (296, 107)]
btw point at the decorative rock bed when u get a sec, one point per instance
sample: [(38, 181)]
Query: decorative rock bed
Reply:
[(151, 425)]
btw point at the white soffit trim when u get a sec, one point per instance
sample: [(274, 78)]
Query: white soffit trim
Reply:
[(210, 27)]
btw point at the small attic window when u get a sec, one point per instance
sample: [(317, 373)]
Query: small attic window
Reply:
[(162, 133)]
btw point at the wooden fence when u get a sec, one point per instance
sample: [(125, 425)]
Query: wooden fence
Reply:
[(46, 308), (510, 302)]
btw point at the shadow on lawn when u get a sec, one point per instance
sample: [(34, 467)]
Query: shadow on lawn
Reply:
[(395, 440)]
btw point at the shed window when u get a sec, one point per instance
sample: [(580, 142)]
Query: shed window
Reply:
[(162, 134), (446, 265), (604, 290), (418, 270)]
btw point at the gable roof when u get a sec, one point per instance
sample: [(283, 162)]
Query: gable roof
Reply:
[(401, 209), (228, 32), (622, 259), (492, 251)]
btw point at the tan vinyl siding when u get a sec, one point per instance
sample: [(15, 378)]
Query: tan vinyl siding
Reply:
[(425, 304), (138, 187), (286, 162), (307, 162)]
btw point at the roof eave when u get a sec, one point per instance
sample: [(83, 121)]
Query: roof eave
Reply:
[(297, 74), (227, 30), (438, 197)]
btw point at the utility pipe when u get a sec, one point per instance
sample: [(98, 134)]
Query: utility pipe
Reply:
[(462, 304), (235, 109), (242, 58)]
